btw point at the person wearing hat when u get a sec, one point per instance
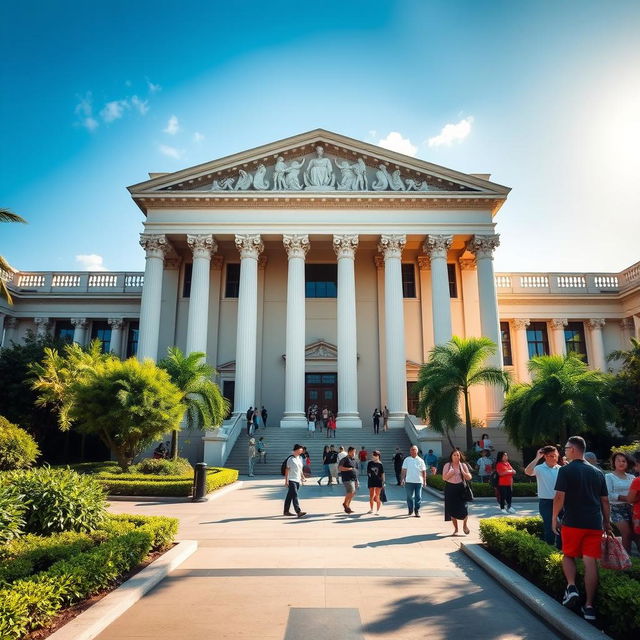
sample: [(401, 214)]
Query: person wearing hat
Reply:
[(293, 478), (252, 453)]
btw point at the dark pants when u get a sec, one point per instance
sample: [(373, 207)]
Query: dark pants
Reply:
[(292, 496), (505, 496), (398, 471), (376, 425), (545, 506)]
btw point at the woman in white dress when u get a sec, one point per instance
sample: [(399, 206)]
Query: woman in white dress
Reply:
[(618, 483)]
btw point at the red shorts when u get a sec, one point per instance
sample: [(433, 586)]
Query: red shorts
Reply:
[(581, 542)]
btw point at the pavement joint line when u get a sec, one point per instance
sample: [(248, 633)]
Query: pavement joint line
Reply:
[(542, 604), (99, 616)]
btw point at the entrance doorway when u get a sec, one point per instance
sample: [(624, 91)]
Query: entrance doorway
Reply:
[(321, 389)]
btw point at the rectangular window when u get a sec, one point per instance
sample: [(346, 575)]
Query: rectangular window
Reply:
[(64, 331), (229, 392), (574, 339), (408, 281), (412, 399), (453, 283), (132, 339), (100, 330), (505, 336), (186, 283), (232, 287), (537, 339), (321, 280)]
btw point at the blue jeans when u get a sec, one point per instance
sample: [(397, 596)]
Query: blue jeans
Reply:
[(292, 496), (545, 506), (414, 495)]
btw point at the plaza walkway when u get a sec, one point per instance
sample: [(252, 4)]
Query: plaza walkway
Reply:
[(258, 574)]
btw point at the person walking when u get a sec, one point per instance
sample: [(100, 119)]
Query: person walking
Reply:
[(325, 418), (544, 467), (347, 467), (325, 466), (376, 421), (331, 426), (264, 414), (454, 473), (293, 478), (249, 415), (332, 459), (505, 481), (375, 481), (581, 491), (256, 419), (385, 418), (262, 450), (397, 465), (252, 454), (362, 460), (618, 484), (414, 477), (311, 426)]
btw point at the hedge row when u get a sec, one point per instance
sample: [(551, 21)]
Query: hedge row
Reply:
[(30, 603), (618, 593), (485, 490)]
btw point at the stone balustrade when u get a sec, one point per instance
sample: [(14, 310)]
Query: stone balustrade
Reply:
[(75, 282)]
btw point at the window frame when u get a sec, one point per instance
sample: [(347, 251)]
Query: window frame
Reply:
[(505, 339), (582, 341), (329, 266), (452, 275), (538, 326), (231, 287), (409, 280)]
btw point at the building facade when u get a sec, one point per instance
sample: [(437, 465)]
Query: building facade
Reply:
[(321, 269)]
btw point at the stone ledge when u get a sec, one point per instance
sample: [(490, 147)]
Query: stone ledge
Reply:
[(99, 616), (565, 621)]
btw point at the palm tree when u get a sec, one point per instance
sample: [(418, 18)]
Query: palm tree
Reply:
[(564, 395), (630, 358), (204, 405), (625, 389), (451, 370), (7, 216)]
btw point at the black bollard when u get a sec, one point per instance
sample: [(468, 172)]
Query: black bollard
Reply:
[(200, 482)]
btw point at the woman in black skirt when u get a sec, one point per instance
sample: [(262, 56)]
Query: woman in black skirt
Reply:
[(455, 508), (375, 481)]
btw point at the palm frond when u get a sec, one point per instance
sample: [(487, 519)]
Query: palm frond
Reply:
[(6, 215)]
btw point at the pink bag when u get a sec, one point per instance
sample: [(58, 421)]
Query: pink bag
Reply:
[(614, 555)]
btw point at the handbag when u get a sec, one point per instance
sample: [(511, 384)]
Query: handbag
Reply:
[(467, 493), (614, 555), (383, 495)]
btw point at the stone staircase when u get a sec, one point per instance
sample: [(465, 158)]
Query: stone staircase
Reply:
[(279, 443)]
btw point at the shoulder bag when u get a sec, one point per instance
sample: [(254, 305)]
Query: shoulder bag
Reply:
[(467, 493)]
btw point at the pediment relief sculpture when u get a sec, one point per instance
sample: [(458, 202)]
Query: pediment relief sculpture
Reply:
[(321, 351)]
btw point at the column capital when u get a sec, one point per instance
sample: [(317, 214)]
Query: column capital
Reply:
[(468, 264), (249, 246), (558, 323), (424, 263), (11, 322), (41, 321), (156, 245), (296, 246), (345, 246), (217, 262), (483, 245), (437, 246), (115, 323), (202, 245), (520, 323), (79, 322), (626, 324), (391, 246), (379, 262), (596, 324)]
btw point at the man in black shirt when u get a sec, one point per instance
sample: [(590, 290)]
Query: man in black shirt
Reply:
[(347, 468), (582, 491), (398, 459)]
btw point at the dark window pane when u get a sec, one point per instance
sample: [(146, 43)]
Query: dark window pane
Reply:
[(507, 358), (313, 394), (132, 339), (313, 378), (408, 281), (328, 395), (321, 280), (453, 283), (574, 339), (100, 330), (329, 378), (64, 331), (186, 284), (537, 339), (232, 287), (412, 400)]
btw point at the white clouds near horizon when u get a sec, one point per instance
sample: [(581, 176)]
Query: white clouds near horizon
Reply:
[(173, 126), (91, 262), (396, 142), (451, 133)]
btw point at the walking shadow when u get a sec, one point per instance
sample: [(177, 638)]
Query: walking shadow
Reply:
[(395, 541)]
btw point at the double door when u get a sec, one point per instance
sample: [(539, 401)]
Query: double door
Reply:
[(321, 389)]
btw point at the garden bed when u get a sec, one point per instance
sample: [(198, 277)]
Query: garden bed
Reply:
[(485, 490)]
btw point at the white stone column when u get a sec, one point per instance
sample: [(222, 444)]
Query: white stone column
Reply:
[(626, 330), (597, 357), (156, 247), (345, 247), (391, 248), (10, 326), (217, 262), (558, 344), (378, 261), (116, 325), (519, 326), (636, 324), (426, 305), (250, 248), (202, 247), (42, 326), (483, 247), (297, 247), (437, 248), (79, 330)]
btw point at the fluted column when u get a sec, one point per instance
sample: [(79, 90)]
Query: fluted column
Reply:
[(437, 247), (596, 357), (42, 326), (116, 325), (250, 248), (345, 247), (626, 329), (79, 330), (297, 247), (558, 343), (202, 247), (519, 326), (10, 326), (426, 305), (391, 248), (156, 247)]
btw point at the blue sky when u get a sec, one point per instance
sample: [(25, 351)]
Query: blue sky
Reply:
[(544, 95)]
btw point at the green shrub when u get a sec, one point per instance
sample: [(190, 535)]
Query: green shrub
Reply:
[(57, 499), (18, 449), (11, 516), (485, 490), (162, 529), (161, 467)]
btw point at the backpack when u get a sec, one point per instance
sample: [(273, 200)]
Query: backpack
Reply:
[(283, 466), (493, 479)]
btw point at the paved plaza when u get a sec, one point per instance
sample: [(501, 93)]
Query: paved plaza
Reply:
[(258, 574)]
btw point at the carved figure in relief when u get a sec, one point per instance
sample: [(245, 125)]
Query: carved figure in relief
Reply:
[(279, 171), (319, 171), (412, 185), (226, 184), (424, 186), (293, 176), (382, 180), (259, 182), (396, 182), (348, 178), (244, 181), (361, 183)]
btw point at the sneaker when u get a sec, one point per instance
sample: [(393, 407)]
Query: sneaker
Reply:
[(511, 510), (302, 514), (410, 512), (288, 513), (571, 596), (417, 515), (589, 613), (503, 511)]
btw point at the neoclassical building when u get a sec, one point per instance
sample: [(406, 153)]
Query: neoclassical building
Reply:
[(321, 269)]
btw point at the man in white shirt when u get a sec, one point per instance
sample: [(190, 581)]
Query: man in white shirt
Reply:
[(545, 474), (414, 477), (293, 477)]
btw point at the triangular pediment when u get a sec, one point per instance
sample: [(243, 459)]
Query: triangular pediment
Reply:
[(295, 167), (321, 350)]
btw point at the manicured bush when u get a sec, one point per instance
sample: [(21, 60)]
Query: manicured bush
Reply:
[(18, 449), (163, 530), (11, 516), (57, 499), (485, 490), (161, 467)]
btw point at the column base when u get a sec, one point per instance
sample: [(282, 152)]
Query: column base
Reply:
[(493, 420), (293, 420), (396, 420), (349, 421)]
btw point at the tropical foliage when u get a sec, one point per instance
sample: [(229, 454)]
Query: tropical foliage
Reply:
[(18, 449), (625, 390), (445, 379), (7, 216), (564, 397)]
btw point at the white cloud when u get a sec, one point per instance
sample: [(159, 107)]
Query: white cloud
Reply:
[(172, 152), (172, 126), (153, 88), (198, 137), (373, 133), (141, 105), (452, 133), (114, 110), (91, 262), (395, 142), (84, 111)]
